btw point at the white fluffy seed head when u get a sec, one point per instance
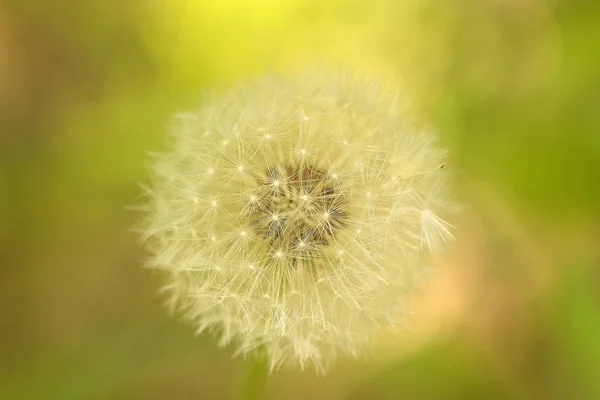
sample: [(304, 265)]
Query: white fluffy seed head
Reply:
[(292, 217)]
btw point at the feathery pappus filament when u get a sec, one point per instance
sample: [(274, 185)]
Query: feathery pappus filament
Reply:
[(292, 217)]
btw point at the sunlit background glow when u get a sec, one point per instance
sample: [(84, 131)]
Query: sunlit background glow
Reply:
[(87, 90)]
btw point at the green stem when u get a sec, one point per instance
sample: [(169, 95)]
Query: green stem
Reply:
[(255, 381)]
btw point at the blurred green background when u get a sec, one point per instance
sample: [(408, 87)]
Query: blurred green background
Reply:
[(513, 87)]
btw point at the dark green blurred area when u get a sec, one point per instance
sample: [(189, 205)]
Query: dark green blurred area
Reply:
[(87, 88)]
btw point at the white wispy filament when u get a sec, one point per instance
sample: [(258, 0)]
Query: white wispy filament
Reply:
[(293, 216)]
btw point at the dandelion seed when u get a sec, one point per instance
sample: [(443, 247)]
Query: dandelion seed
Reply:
[(306, 233)]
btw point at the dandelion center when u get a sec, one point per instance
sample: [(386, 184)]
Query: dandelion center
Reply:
[(289, 208)]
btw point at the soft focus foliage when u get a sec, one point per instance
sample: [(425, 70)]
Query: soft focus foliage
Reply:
[(293, 216), (87, 89)]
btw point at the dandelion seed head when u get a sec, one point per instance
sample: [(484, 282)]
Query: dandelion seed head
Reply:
[(306, 233)]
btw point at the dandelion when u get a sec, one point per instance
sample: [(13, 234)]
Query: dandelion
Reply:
[(292, 217)]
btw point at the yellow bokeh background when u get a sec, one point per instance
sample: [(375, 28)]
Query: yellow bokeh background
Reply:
[(87, 90)]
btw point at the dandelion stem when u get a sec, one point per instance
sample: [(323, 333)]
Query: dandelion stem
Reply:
[(255, 381)]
